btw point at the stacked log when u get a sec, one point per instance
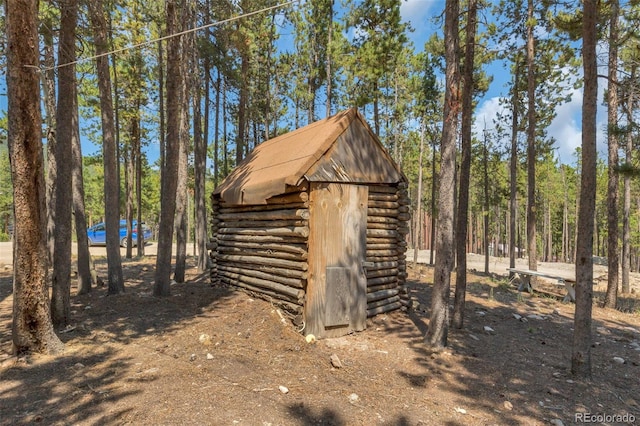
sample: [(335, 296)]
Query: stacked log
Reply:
[(263, 249), (385, 262), (403, 230), (213, 241)]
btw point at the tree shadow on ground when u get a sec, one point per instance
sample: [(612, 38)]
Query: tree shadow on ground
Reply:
[(512, 357), (92, 376), (65, 390)]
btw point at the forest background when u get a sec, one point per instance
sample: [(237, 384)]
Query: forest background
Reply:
[(268, 73), (294, 63)]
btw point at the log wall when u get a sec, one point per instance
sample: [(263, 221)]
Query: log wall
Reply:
[(263, 249), (386, 267)]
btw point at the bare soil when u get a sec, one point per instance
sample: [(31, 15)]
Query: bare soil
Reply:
[(216, 356)]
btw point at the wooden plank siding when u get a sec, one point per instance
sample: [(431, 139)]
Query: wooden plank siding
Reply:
[(337, 246)]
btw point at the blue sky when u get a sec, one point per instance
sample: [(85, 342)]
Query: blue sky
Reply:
[(566, 128)]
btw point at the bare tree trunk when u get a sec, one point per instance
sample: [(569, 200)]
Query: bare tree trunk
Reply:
[(175, 85), (434, 180), (200, 196), (513, 169), (613, 254), (163, 147), (225, 163), (84, 257), (49, 90), (138, 179), (216, 132), (182, 209), (129, 174), (626, 214), (376, 113), (531, 145), (32, 329), (465, 169), (328, 62), (485, 202), (548, 249), (581, 353), (182, 195), (116, 104), (200, 167), (241, 141), (109, 151), (417, 228), (436, 335), (61, 275), (565, 218)]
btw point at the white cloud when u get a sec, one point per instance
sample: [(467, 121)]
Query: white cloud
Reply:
[(566, 128), (487, 114), (419, 13)]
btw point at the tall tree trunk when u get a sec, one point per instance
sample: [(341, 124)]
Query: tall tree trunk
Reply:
[(436, 335), (116, 111), (49, 90), (216, 132), (513, 168), (242, 105), (376, 112), (61, 272), (109, 151), (547, 232), (434, 181), (225, 163), (182, 195), (84, 263), (531, 145), (565, 218), (626, 213), (418, 227), (485, 202), (328, 61), (465, 168), (138, 179), (200, 170), (613, 254), (32, 329), (581, 349), (163, 147), (175, 84), (182, 201), (129, 173)]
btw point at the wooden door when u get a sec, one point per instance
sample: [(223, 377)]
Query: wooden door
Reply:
[(336, 301)]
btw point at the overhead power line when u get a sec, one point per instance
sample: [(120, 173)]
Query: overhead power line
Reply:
[(145, 43)]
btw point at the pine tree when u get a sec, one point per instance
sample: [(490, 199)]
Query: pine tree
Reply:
[(581, 348), (115, 278), (32, 328), (436, 336)]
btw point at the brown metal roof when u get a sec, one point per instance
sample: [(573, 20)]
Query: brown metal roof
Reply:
[(341, 148)]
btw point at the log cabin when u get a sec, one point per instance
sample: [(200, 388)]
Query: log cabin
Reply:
[(315, 221)]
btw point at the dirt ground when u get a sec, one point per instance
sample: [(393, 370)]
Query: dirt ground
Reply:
[(216, 356)]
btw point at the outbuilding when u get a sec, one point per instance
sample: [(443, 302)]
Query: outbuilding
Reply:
[(315, 221)]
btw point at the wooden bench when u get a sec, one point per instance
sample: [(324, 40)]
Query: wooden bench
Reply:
[(525, 281)]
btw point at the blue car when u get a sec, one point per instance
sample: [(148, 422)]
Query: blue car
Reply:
[(98, 236)]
